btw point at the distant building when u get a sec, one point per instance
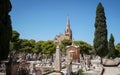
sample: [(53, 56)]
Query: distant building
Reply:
[(67, 35)]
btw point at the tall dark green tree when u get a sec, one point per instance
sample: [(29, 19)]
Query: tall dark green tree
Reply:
[(100, 35), (111, 47), (5, 28)]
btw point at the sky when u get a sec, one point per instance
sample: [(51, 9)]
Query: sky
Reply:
[(44, 19)]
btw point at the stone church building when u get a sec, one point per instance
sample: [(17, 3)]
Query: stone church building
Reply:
[(66, 35)]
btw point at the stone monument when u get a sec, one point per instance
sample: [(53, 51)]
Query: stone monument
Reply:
[(73, 52), (57, 67)]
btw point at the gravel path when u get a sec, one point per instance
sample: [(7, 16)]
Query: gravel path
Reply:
[(111, 71)]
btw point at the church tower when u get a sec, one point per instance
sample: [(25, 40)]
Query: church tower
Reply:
[(68, 31)]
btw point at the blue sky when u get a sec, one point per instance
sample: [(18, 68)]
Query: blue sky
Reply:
[(44, 19)]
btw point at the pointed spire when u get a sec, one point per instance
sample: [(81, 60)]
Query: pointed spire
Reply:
[(68, 21), (68, 24), (68, 31)]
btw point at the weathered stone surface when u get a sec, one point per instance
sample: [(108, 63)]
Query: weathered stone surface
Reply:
[(109, 62), (69, 68), (73, 53), (58, 59)]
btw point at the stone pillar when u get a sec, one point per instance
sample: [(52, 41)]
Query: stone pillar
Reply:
[(57, 67)]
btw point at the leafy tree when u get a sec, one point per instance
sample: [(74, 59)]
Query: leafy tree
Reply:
[(5, 31), (117, 47), (48, 48), (26, 45), (111, 47), (32, 44), (65, 43), (85, 48), (14, 44), (5, 28), (100, 35), (15, 36), (38, 47)]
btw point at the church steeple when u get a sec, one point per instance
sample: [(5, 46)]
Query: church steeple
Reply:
[(68, 31), (68, 23)]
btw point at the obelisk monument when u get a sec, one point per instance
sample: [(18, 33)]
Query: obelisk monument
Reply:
[(57, 67)]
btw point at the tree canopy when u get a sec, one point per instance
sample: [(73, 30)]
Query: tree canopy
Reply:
[(111, 47), (100, 35), (26, 45), (48, 48), (117, 47), (5, 28), (85, 48), (38, 47), (65, 43), (15, 41)]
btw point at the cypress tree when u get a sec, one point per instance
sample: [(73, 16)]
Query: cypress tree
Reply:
[(5, 28), (100, 35), (111, 47)]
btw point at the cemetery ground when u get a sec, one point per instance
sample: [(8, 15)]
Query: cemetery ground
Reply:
[(47, 68), (112, 71), (37, 64), (107, 71)]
